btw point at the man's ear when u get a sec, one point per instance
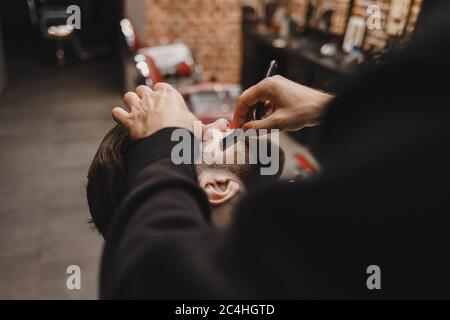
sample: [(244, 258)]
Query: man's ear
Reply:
[(219, 187)]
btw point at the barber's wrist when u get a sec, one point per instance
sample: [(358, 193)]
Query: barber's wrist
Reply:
[(147, 133), (145, 151), (318, 109)]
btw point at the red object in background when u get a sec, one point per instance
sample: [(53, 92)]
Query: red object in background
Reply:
[(208, 100), (155, 76), (183, 70), (304, 163)]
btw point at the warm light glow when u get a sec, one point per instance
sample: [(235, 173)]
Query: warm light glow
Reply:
[(60, 31)]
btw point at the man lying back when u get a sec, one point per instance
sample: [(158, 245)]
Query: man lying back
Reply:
[(223, 182)]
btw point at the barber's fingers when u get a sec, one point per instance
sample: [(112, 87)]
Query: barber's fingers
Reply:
[(271, 122), (162, 86), (122, 117), (246, 102), (143, 91), (131, 100)]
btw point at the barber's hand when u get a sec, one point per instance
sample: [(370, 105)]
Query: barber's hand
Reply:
[(152, 110), (293, 106)]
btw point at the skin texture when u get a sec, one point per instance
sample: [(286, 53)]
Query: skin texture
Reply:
[(221, 186), (224, 190), (212, 135), (150, 110), (290, 106), (107, 178)]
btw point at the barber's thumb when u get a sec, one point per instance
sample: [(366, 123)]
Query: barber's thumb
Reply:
[(266, 123), (121, 116)]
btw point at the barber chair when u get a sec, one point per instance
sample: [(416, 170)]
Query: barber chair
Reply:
[(50, 18), (174, 64)]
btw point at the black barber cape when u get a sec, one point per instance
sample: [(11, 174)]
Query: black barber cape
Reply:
[(383, 200)]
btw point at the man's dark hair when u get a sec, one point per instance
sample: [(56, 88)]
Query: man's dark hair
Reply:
[(107, 176)]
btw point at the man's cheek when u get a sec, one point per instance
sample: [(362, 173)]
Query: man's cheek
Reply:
[(212, 154)]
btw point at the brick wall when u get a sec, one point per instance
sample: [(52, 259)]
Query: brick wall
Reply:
[(211, 28)]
